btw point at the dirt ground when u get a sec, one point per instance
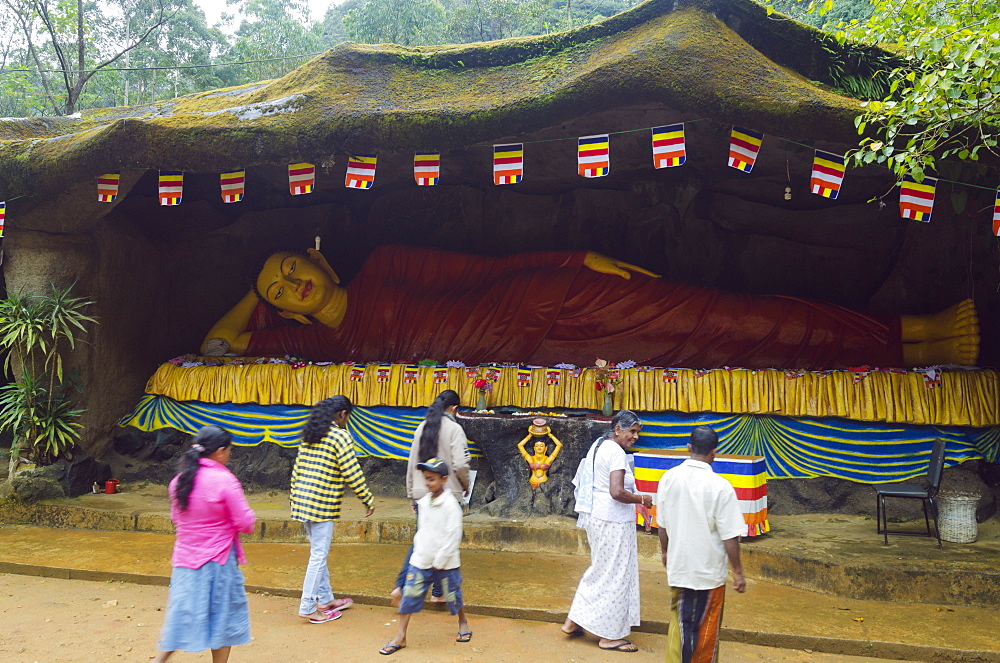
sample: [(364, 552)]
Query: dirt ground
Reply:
[(69, 621)]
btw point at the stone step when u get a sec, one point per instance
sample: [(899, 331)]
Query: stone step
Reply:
[(835, 554)]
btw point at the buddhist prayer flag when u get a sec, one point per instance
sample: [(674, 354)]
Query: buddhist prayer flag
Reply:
[(669, 375), (3, 215), (357, 373), (593, 157), (552, 376), (360, 171), (471, 372), (427, 168), (791, 375), (524, 377), (232, 186), (508, 163), (301, 178), (171, 187), (827, 174), (702, 372), (440, 375), (493, 374), (746, 474), (932, 378), (743, 148), (996, 215), (668, 146), (410, 374), (383, 372), (107, 187), (916, 200)]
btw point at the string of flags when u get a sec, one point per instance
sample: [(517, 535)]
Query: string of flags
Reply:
[(554, 375), (171, 187), (232, 185), (996, 215), (667, 144), (508, 163), (916, 199)]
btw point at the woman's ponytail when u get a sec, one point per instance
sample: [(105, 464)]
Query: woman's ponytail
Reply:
[(432, 424), (207, 441)]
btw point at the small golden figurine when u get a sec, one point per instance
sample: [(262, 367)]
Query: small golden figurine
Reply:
[(540, 463)]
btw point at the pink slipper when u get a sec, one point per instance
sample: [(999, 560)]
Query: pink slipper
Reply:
[(338, 604), (328, 616)]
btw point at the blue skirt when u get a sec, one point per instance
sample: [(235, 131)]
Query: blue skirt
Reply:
[(207, 608)]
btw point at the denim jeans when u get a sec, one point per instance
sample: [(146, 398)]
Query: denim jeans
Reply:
[(316, 588)]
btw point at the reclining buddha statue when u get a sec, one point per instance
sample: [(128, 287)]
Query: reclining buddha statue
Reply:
[(409, 303)]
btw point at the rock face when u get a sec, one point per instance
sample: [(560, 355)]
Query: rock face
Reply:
[(509, 494), (502, 487), (64, 478), (34, 485), (826, 495), (161, 276)]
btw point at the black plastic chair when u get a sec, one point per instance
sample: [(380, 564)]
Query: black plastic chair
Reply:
[(911, 491)]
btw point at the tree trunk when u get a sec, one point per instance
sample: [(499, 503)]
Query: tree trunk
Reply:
[(15, 456)]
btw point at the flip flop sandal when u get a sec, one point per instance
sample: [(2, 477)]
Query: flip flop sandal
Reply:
[(327, 617), (464, 636), (391, 649), (623, 647), (338, 604)]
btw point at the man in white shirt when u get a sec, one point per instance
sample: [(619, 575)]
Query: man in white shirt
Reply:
[(697, 510)]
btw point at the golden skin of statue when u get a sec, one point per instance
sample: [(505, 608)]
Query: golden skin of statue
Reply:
[(540, 462)]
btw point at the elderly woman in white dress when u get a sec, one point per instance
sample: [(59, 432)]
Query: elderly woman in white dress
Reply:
[(607, 599)]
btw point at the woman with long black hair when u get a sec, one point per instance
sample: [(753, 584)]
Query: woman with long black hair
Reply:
[(439, 435), (207, 607), (325, 463)]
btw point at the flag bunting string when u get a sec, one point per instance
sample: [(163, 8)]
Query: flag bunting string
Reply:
[(668, 147)]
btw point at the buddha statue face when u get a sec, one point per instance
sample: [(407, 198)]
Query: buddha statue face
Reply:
[(297, 283), (540, 448)]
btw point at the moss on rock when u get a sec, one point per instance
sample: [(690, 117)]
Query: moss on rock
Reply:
[(722, 59)]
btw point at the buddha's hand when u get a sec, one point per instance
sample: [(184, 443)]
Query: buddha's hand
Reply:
[(215, 347), (602, 264)]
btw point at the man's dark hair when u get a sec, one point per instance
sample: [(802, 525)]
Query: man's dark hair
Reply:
[(703, 441)]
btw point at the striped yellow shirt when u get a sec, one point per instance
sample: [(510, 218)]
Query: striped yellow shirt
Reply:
[(319, 475)]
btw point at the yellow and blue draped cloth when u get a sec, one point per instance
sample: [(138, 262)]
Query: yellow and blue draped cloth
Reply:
[(792, 447), (829, 424)]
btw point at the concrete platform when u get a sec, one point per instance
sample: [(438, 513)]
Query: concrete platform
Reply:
[(831, 553)]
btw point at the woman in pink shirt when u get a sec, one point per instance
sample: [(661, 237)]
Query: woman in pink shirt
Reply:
[(207, 607)]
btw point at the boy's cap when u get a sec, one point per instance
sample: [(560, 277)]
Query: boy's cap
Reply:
[(435, 465)]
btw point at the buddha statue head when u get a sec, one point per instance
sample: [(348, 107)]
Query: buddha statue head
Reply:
[(299, 285)]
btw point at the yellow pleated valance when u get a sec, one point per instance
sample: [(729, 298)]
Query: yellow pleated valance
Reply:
[(965, 398)]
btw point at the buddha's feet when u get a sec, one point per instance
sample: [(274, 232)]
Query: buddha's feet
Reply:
[(961, 350), (960, 320)]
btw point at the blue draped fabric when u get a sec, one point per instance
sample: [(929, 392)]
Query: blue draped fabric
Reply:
[(385, 432), (792, 447)]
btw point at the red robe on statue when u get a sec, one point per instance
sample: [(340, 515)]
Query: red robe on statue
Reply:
[(408, 304)]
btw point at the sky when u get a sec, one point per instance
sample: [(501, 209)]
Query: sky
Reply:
[(213, 9)]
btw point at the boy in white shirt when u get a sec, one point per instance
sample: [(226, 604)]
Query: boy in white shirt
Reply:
[(435, 554)]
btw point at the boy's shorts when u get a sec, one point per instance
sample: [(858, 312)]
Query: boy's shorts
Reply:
[(418, 581)]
